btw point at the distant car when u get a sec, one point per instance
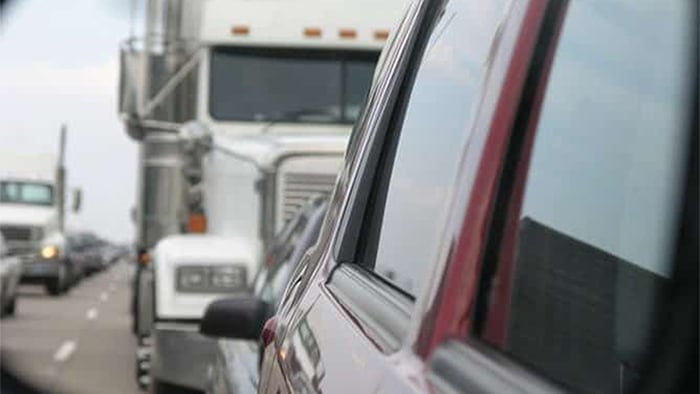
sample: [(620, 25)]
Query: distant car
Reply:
[(73, 246), (236, 363), (10, 273), (518, 212), (89, 252), (111, 254)]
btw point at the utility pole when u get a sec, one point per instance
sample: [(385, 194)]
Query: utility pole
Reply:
[(61, 178)]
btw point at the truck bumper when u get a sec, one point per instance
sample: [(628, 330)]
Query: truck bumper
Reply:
[(37, 270), (181, 355)]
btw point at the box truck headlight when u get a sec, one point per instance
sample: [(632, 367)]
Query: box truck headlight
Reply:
[(49, 252), (211, 279)]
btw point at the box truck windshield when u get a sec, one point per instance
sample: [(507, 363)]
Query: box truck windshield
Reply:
[(31, 193), (289, 85)]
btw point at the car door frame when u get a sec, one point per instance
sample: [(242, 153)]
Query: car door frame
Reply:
[(381, 311)]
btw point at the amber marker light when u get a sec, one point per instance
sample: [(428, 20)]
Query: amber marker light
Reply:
[(381, 34), (347, 33), (240, 30), (314, 32), (197, 223)]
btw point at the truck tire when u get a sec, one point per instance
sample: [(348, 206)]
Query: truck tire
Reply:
[(58, 285), (53, 287), (159, 387), (10, 308)]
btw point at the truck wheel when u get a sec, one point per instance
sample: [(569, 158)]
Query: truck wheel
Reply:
[(159, 387), (57, 286), (53, 287), (10, 308), (64, 277)]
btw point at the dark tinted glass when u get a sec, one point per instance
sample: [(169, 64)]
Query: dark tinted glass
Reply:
[(311, 86), (26, 193), (600, 210), (358, 78), (431, 139)]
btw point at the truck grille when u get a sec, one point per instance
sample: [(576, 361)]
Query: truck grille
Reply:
[(18, 248), (297, 188), (17, 233)]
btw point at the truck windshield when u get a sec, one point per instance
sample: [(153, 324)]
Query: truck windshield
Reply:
[(26, 193), (289, 85)]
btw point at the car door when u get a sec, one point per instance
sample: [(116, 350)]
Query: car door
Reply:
[(589, 268), (355, 328)]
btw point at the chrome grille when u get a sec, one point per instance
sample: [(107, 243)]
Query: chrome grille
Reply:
[(21, 248), (298, 188), (16, 233)]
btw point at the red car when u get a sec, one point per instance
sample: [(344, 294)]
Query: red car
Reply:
[(517, 213)]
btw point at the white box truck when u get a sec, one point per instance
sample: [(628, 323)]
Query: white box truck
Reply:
[(243, 110)]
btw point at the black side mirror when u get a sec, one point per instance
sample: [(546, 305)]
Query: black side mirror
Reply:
[(77, 199), (237, 318)]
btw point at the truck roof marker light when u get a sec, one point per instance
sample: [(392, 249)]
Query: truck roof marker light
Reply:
[(197, 223), (240, 30), (381, 34), (347, 33), (314, 32)]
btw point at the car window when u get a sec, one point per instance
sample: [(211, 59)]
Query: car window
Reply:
[(409, 209), (304, 237), (276, 254), (600, 209)]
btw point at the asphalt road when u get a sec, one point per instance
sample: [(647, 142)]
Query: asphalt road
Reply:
[(77, 343)]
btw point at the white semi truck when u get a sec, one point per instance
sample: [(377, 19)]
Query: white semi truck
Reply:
[(243, 110), (32, 217)]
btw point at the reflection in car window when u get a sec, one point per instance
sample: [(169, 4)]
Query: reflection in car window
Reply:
[(599, 215), (431, 139), (301, 234)]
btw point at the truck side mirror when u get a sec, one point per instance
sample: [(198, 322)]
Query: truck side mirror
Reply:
[(240, 317), (129, 68), (77, 199)]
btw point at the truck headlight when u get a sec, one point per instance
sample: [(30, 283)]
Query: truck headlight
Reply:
[(49, 252), (210, 279)]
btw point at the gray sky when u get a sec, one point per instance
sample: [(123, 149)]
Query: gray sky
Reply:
[(58, 63)]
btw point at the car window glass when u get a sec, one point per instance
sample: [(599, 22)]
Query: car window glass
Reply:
[(599, 215), (432, 136), (259, 280), (304, 237)]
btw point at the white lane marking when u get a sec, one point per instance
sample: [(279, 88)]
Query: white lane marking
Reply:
[(91, 314), (65, 351), (104, 296)]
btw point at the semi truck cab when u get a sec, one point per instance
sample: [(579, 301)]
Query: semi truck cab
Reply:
[(30, 219)]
